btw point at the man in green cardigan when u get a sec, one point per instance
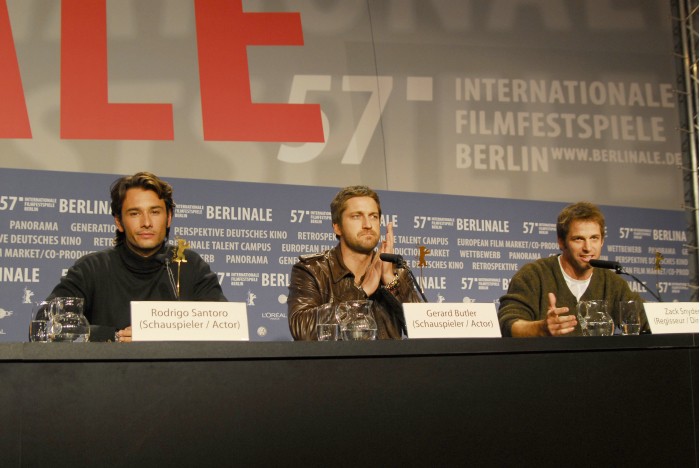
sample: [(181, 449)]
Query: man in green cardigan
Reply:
[(542, 296)]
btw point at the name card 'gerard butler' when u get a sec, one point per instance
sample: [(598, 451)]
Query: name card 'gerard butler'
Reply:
[(451, 320)]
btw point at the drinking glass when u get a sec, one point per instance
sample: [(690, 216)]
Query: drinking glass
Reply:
[(356, 320), (594, 318), (38, 326), (37, 331), (326, 324), (630, 317), (327, 332)]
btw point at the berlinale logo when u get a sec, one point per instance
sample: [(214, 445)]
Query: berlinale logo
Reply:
[(228, 113)]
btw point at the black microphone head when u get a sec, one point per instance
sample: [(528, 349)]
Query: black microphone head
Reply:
[(610, 265), (162, 258), (393, 258)]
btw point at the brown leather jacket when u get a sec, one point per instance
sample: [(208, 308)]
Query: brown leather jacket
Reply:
[(321, 278)]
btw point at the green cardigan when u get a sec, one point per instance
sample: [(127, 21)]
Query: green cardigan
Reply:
[(527, 294)]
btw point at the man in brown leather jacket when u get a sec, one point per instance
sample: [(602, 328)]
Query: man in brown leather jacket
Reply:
[(351, 270)]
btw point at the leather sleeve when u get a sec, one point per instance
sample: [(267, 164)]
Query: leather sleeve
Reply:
[(305, 296)]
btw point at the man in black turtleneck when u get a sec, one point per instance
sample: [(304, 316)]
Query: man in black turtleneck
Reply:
[(140, 266)]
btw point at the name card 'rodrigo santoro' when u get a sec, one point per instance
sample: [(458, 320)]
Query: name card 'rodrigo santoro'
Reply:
[(189, 321), (451, 320)]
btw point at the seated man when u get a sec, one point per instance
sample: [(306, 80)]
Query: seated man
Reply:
[(351, 270), (542, 296), (140, 266)]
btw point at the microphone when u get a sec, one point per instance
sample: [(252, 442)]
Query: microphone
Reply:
[(610, 265), (401, 263), (393, 258), (164, 257), (161, 258), (606, 264)]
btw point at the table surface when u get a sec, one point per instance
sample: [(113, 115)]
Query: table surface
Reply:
[(570, 401), (203, 350)]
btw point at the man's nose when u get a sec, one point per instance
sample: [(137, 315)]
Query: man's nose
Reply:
[(146, 220)]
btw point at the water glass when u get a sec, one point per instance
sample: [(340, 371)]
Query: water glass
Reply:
[(327, 328), (38, 331), (630, 317), (38, 326), (327, 331)]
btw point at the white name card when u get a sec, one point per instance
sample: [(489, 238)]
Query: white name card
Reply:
[(672, 317), (451, 320), (188, 321)]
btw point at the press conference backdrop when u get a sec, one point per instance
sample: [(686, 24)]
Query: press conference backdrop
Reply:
[(251, 234), (482, 110), (541, 99)]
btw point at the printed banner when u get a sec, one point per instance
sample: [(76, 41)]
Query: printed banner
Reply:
[(460, 248), (547, 100)]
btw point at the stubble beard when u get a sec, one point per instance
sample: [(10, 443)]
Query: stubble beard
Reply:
[(363, 244), (579, 266)]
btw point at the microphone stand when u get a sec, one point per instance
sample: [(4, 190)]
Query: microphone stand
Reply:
[(403, 264), (620, 271)]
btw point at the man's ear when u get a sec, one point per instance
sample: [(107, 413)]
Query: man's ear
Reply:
[(118, 223)]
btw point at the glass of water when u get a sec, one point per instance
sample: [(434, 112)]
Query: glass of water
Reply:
[(327, 328), (630, 317), (38, 326)]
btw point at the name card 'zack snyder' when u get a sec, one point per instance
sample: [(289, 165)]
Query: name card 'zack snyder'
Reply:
[(672, 317), (451, 320), (189, 321)]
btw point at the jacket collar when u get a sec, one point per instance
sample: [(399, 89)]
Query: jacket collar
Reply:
[(337, 267)]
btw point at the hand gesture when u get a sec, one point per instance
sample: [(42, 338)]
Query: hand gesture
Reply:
[(556, 323), (387, 246)]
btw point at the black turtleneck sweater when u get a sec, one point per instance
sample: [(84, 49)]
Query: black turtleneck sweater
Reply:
[(110, 279)]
